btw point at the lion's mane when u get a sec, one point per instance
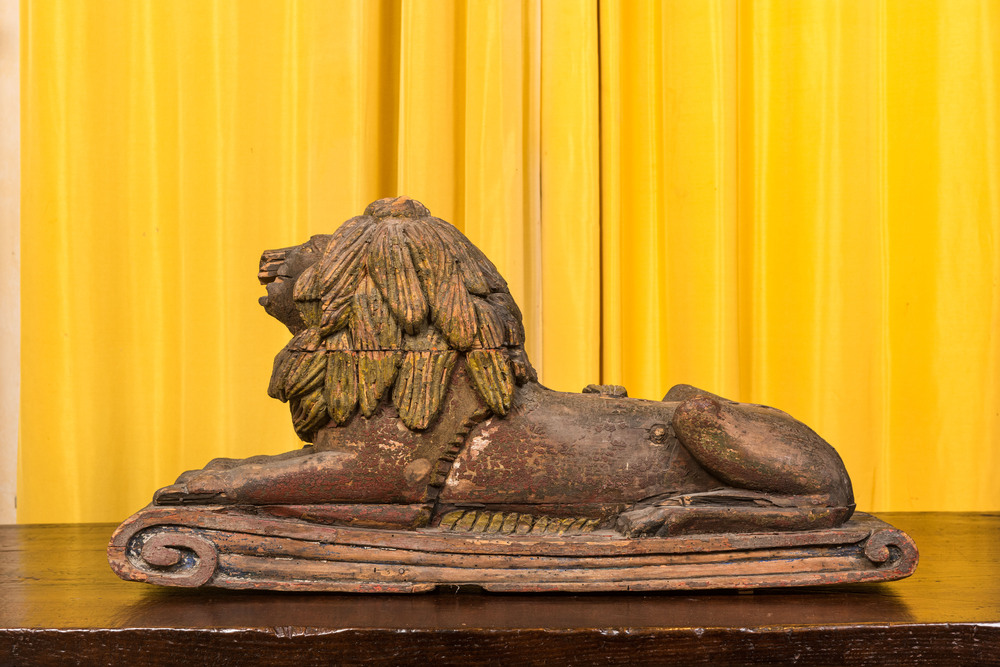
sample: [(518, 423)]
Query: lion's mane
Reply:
[(396, 300)]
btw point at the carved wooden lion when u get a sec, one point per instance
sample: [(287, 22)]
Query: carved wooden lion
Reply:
[(406, 373)]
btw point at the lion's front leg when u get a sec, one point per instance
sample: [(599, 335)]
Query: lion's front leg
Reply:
[(207, 485), (224, 463)]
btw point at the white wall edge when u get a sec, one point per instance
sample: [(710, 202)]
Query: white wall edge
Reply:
[(10, 254)]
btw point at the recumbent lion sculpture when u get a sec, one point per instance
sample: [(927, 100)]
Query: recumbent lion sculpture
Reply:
[(428, 433)]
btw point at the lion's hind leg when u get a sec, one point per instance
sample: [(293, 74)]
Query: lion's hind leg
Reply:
[(728, 510), (778, 473), (759, 448)]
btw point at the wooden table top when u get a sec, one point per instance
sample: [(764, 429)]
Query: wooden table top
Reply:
[(59, 600)]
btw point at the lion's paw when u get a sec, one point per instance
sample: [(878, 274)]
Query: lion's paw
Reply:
[(200, 488)]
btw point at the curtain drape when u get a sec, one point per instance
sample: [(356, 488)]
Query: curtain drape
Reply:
[(792, 203)]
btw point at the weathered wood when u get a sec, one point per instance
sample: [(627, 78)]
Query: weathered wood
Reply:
[(233, 548), (437, 458), (62, 605)]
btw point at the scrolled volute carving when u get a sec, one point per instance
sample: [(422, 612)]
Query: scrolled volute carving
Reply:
[(173, 556)]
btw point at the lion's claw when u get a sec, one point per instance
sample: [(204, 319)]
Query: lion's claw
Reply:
[(199, 489)]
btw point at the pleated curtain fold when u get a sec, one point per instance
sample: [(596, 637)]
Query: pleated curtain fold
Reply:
[(794, 203)]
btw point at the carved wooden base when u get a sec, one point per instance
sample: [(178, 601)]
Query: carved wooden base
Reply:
[(232, 547)]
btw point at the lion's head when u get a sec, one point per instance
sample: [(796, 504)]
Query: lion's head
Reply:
[(394, 298)]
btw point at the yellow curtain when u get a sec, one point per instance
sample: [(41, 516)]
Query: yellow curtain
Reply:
[(794, 203)]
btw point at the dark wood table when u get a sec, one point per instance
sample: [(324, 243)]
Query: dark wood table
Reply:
[(60, 603)]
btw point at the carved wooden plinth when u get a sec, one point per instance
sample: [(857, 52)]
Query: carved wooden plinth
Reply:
[(232, 547)]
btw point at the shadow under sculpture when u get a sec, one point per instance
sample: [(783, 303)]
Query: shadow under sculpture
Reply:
[(436, 458)]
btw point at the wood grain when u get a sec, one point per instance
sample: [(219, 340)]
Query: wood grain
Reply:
[(234, 547), (62, 605)]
